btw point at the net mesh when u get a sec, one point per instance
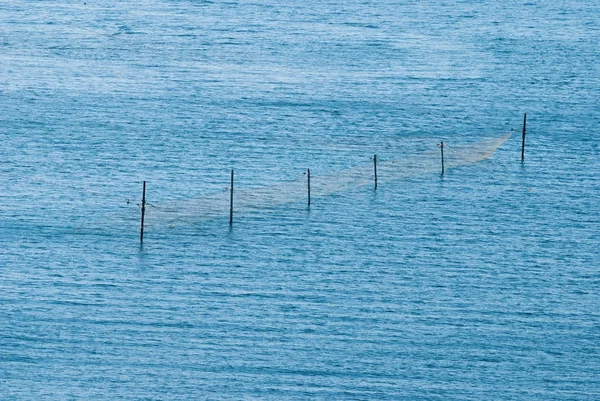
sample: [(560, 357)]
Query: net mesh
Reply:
[(247, 200)]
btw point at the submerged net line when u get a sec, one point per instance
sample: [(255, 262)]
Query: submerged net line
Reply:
[(247, 200)]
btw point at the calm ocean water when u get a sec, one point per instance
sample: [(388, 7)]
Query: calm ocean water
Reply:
[(478, 285)]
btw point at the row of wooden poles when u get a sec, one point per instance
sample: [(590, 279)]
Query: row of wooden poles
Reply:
[(308, 176)]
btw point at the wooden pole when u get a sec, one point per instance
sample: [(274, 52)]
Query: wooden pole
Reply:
[(143, 213), (375, 169), (231, 200), (442, 148), (524, 131), (308, 174)]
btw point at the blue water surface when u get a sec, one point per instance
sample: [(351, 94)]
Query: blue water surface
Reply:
[(480, 284)]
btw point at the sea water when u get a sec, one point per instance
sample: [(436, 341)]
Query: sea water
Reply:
[(479, 284)]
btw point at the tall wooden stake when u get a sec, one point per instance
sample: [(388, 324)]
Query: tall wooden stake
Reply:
[(231, 200), (143, 213), (308, 174), (375, 169), (442, 148), (524, 131)]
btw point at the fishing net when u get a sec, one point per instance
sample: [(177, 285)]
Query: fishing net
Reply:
[(247, 200)]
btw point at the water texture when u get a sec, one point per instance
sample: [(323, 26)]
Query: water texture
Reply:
[(480, 284)]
